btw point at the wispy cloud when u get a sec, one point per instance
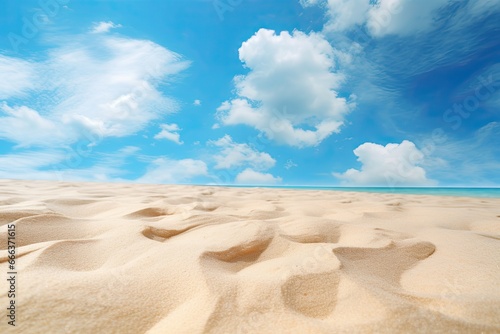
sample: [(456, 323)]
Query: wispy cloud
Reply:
[(30, 164), (83, 90), (399, 17), (103, 27), (27, 127), (105, 86), (63, 165), (440, 38), (18, 77), (467, 161)]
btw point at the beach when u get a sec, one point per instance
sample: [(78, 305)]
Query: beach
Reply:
[(135, 258)]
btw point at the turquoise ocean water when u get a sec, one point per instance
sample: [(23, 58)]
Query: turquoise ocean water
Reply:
[(467, 192)]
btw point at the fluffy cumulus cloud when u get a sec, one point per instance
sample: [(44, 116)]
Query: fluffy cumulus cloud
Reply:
[(233, 155), (390, 165), (164, 170), (249, 176), (92, 87), (170, 132), (241, 163), (290, 93)]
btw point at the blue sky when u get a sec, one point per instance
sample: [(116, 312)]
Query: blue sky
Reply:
[(291, 92)]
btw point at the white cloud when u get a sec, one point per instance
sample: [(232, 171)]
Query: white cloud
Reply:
[(169, 132), (129, 150), (18, 77), (249, 176), (375, 67), (400, 17), (65, 165), (403, 17), (92, 87), (233, 155), (468, 160), (290, 164), (482, 6), (197, 103), (26, 164), (102, 27), (290, 92), (19, 123), (164, 170), (87, 88), (397, 17), (390, 165), (344, 14), (68, 165), (30, 165), (308, 3)]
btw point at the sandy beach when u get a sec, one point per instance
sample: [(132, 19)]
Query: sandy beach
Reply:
[(131, 258)]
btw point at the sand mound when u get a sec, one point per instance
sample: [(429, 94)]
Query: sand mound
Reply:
[(101, 258)]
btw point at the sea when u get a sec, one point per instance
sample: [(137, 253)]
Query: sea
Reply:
[(445, 191)]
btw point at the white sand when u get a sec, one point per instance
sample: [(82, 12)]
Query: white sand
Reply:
[(118, 258)]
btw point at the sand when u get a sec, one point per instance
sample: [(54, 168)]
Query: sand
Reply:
[(129, 258)]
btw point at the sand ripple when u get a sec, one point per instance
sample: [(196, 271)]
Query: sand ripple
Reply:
[(101, 258)]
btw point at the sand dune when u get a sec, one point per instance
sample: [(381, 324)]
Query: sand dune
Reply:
[(121, 258)]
